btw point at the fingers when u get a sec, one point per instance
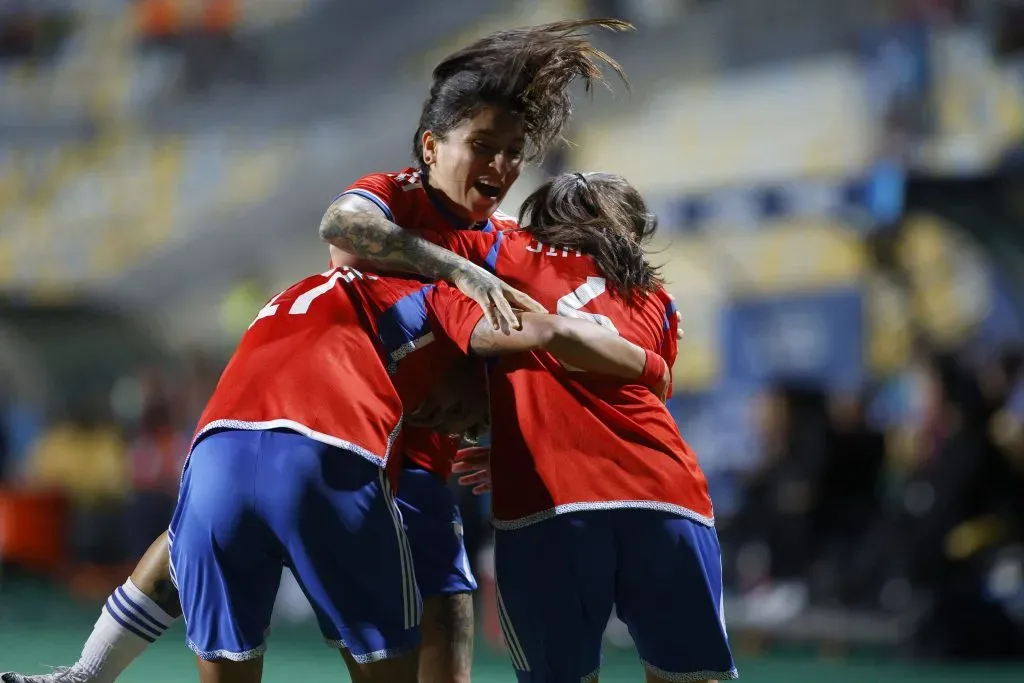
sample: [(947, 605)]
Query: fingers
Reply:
[(679, 333), (480, 481), (521, 300), (473, 458), (463, 467), (473, 452), (489, 313), (474, 478), (505, 311)]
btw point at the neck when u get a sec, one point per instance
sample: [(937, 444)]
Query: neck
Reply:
[(452, 212)]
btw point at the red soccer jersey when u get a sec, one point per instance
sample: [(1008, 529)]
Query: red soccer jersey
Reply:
[(334, 356), (405, 202), (564, 441)]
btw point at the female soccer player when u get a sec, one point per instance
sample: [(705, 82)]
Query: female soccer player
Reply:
[(596, 499), (493, 107)]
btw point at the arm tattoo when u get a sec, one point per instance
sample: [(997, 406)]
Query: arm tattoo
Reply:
[(370, 236)]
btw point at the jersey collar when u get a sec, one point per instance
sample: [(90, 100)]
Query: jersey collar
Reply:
[(447, 214)]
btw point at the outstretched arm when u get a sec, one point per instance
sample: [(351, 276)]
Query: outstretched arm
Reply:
[(579, 343), (357, 226)]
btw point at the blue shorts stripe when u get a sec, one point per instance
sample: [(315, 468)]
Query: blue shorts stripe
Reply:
[(508, 632), (410, 595)]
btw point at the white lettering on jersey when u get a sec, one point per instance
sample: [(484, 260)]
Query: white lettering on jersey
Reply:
[(409, 181), (302, 302), (570, 304), (552, 251)]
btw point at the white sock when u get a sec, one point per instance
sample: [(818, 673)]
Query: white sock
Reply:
[(128, 623)]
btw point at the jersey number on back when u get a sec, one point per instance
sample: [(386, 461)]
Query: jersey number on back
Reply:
[(303, 301), (571, 304)]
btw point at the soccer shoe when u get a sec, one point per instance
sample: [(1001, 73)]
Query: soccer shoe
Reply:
[(58, 675)]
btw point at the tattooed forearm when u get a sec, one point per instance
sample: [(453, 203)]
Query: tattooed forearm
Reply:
[(363, 232)]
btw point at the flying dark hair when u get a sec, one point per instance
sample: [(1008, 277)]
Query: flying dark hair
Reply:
[(603, 216), (526, 71)]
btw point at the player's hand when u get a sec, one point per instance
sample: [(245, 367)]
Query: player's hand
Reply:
[(495, 297), (661, 390), (474, 464), (679, 319)]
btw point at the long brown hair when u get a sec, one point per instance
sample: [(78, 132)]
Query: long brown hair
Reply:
[(526, 71), (603, 216)]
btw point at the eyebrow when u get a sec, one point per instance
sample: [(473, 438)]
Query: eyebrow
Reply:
[(492, 133)]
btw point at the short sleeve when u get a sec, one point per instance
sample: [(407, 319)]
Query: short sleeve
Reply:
[(453, 314), (383, 190)]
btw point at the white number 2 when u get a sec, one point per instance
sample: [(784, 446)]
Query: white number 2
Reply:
[(570, 304), (302, 302)]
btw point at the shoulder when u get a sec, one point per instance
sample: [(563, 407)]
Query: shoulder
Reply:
[(398, 181), (392, 192), (503, 221)]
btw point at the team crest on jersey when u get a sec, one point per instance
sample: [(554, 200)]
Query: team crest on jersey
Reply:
[(409, 181)]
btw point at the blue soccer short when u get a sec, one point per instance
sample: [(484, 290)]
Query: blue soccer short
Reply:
[(558, 580), (253, 502), (433, 525)]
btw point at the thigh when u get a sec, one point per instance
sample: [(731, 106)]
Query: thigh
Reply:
[(222, 552), (555, 590), (433, 524), (669, 594), (343, 536)]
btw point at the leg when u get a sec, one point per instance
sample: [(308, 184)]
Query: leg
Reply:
[(384, 671), (152, 576), (446, 652), (135, 615), (224, 556), (342, 534), (434, 527), (669, 594), (555, 590), (225, 671)]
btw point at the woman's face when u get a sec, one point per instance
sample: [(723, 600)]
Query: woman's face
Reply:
[(477, 162)]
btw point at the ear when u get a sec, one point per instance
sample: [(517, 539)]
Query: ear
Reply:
[(429, 143)]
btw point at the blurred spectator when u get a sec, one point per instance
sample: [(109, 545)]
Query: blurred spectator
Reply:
[(29, 32), (156, 456), (203, 32), (780, 494), (848, 496), (84, 459)]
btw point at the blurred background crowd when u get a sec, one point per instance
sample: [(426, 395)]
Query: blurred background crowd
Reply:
[(840, 186)]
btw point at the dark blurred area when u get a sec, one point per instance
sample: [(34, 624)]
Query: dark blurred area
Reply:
[(839, 187)]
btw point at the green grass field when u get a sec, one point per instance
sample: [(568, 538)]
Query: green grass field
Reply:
[(38, 629)]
